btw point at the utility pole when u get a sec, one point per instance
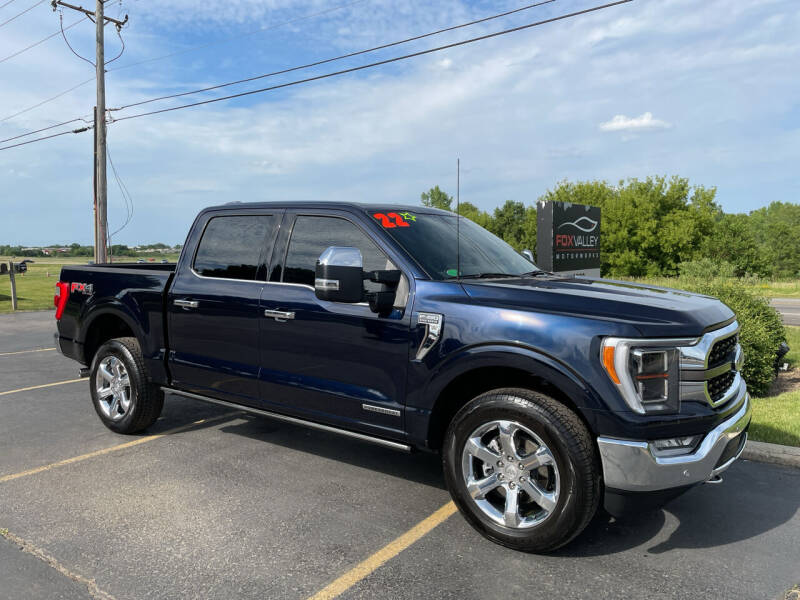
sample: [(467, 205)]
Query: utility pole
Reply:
[(101, 187), (101, 224)]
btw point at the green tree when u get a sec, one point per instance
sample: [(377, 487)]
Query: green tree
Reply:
[(436, 198)]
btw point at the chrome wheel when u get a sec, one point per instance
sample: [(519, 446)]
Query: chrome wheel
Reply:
[(510, 474), (113, 387)]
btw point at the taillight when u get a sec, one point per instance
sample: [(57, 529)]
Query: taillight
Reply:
[(61, 297)]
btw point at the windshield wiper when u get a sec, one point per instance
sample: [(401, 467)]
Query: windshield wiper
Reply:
[(484, 276), (536, 273)]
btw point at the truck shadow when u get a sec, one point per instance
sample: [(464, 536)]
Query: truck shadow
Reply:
[(419, 467), (753, 499)]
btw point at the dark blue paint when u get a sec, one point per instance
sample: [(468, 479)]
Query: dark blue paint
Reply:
[(332, 358)]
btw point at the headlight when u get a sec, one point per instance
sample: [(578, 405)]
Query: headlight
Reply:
[(647, 374)]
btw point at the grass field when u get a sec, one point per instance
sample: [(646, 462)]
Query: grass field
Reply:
[(35, 289), (768, 288)]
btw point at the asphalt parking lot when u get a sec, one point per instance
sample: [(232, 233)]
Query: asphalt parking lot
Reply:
[(216, 504)]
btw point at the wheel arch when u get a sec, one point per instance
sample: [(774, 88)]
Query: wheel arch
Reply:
[(105, 324), (501, 367)]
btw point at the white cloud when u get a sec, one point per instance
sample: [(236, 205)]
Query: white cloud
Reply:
[(521, 111), (644, 122)]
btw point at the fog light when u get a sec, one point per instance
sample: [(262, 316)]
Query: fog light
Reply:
[(675, 446)]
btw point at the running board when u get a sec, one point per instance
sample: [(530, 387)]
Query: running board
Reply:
[(294, 420)]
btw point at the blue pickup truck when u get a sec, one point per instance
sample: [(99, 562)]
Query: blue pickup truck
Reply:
[(546, 395)]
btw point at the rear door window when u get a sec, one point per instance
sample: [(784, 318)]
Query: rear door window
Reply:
[(232, 246)]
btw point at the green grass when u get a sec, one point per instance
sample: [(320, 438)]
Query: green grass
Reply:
[(777, 419), (764, 287), (793, 339), (35, 289)]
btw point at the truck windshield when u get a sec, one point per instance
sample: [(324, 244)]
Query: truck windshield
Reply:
[(431, 240)]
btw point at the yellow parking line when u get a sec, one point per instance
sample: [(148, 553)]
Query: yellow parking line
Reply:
[(26, 351), (44, 385), (135, 442), (392, 549)]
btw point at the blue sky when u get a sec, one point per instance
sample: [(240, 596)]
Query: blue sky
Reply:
[(703, 89)]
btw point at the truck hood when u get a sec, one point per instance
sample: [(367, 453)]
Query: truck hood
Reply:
[(654, 311)]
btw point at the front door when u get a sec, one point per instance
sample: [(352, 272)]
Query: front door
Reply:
[(327, 361)]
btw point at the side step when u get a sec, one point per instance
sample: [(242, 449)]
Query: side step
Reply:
[(294, 420)]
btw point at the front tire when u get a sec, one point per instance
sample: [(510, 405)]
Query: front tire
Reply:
[(125, 400), (522, 469)]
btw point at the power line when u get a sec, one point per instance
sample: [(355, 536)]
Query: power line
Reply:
[(126, 197), (66, 41), (297, 19), (378, 63), (22, 13), (42, 41), (74, 87), (47, 137), (337, 58), (22, 135), (2, 6), (345, 71), (240, 36)]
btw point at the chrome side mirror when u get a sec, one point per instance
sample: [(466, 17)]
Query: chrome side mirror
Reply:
[(339, 275), (528, 254)]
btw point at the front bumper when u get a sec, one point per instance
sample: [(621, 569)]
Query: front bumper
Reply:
[(631, 466)]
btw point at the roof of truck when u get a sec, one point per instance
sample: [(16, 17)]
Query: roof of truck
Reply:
[(370, 207)]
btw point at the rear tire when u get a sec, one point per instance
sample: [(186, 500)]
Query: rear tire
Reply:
[(550, 489), (124, 398)]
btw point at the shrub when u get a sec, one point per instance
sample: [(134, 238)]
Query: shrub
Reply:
[(706, 268), (761, 331)]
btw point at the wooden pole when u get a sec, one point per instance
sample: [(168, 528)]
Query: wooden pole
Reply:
[(13, 285)]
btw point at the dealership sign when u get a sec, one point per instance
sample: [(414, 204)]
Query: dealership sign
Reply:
[(568, 238)]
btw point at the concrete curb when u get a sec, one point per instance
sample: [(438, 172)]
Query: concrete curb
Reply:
[(772, 453)]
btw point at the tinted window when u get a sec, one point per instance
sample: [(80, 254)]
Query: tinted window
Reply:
[(433, 240), (312, 235), (231, 246)]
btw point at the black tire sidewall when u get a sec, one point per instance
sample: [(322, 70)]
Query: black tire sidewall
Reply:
[(116, 348), (560, 526)]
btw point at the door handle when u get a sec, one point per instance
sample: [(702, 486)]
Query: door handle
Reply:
[(186, 303), (279, 315)]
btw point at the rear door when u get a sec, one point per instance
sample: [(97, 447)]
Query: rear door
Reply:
[(332, 362), (213, 306)]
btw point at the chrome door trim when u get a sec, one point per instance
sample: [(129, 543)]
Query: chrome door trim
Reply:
[(186, 303), (294, 420), (279, 315)]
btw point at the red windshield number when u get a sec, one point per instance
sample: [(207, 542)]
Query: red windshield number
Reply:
[(386, 220)]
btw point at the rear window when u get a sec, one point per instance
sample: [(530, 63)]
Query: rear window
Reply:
[(231, 246)]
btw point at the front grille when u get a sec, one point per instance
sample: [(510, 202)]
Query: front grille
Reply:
[(717, 386), (721, 351)]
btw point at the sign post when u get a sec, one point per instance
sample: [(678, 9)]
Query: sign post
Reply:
[(13, 285), (568, 238)]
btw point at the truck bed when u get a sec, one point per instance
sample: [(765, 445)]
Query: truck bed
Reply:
[(132, 292)]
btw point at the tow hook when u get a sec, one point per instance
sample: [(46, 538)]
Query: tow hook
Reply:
[(714, 479)]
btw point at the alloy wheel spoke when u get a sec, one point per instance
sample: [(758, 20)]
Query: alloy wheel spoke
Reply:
[(547, 500), (507, 445), (511, 515), (482, 452), (478, 488), (105, 373), (113, 407), (541, 458)]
